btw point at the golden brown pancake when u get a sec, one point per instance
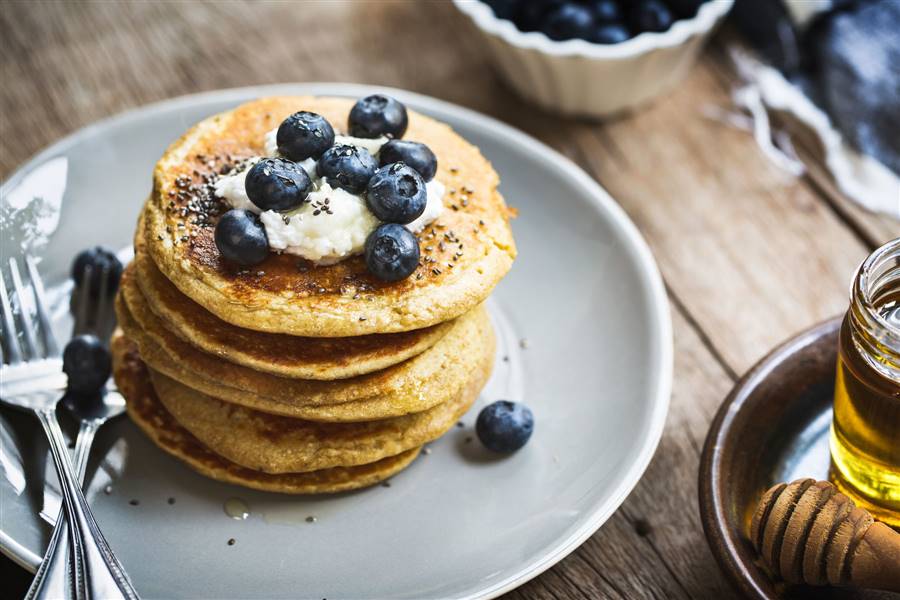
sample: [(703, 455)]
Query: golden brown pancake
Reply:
[(275, 353), (146, 411), (464, 254), (275, 444), (417, 384)]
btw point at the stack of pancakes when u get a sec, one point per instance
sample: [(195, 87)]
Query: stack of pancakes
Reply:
[(293, 377)]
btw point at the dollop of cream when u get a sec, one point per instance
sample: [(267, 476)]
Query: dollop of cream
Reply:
[(333, 224)]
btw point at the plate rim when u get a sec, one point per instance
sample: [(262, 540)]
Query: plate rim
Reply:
[(647, 271), (712, 509)]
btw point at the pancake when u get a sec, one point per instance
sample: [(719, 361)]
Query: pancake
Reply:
[(464, 253), (147, 413), (417, 384), (275, 444), (275, 353)]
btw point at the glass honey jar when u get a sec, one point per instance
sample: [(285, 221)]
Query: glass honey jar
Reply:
[(865, 430)]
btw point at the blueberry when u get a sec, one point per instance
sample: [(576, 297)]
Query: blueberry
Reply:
[(531, 13), (392, 252), (650, 15), (606, 11), (347, 167), (98, 258), (609, 33), (277, 184), (567, 22), (378, 115), (303, 135), (504, 426), (416, 155), (686, 9), (396, 194), (241, 238), (87, 363), (503, 9)]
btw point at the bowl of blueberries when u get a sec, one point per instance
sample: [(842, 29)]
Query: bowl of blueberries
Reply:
[(593, 58)]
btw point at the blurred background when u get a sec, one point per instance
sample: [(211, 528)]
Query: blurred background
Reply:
[(755, 144)]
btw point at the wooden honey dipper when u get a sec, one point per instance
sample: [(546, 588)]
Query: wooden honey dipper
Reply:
[(808, 532)]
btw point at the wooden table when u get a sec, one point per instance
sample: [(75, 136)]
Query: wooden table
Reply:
[(749, 255)]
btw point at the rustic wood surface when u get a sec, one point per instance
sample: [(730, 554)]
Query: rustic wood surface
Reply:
[(749, 255)]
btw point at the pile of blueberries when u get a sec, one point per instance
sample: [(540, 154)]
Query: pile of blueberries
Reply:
[(394, 186), (597, 21)]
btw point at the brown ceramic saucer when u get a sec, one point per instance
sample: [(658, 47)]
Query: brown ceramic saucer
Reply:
[(772, 427)]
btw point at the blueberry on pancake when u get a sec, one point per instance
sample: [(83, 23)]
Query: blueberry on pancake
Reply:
[(241, 238), (392, 252), (378, 115), (304, 135), (416, 155), (347, 167), (396, 194), (277, 184)]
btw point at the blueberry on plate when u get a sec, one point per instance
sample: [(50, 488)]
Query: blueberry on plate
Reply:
[(87, 363), (378, 115), (348, 167), (98, 259), (277, 184), (650, 15), (304, 135), (241, 238), (396, 194), (416, 155), (504, 426), (567, 22), (392, 252), (606, 11), (609, 33)]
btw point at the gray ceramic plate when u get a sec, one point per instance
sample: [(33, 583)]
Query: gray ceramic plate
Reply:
[(585, 341)]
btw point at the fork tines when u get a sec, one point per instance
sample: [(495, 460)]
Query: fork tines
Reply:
[(17, 308)]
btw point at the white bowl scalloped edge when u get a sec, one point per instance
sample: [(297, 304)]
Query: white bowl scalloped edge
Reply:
[(576, 77)]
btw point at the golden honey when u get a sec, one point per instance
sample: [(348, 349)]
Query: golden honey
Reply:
[(865, 431)]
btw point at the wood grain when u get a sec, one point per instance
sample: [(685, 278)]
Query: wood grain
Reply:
[(749, 255)]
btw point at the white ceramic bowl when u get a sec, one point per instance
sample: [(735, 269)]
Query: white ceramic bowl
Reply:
[(576, 77)]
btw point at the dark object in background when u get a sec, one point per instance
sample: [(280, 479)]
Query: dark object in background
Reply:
[(649, 15), (855, 59), (597, 21), (847, 60), (87, 363), (568, 21), (98, 258)]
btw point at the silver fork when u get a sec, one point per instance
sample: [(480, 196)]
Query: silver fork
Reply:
[(51, 579), (32, 380)]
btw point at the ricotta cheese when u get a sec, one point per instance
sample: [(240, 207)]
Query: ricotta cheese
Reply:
[(333, 224)]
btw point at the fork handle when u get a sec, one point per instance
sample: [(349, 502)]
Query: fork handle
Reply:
[(101, 574), (52, 581)]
